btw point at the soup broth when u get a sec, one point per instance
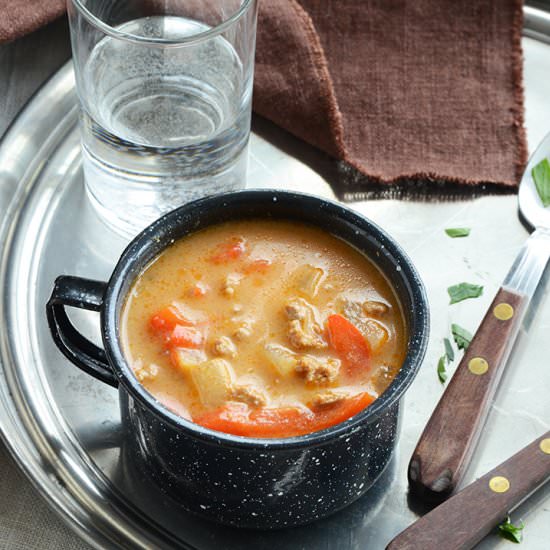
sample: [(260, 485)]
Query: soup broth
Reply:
[(263, 329)]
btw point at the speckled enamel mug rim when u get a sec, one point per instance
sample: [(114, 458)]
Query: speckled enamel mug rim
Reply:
[(131, 263)]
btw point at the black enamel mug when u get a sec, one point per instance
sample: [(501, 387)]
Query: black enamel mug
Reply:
[(246, 482)]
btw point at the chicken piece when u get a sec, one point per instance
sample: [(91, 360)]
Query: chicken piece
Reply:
[(327, 399), (308, 279), (382, 377), (148, 372), (250, 395), (352, 310), (374, 308), (298, 310), (224, 346), (214, 382), (283, 359), (230, 284), (317, 371), (303, 330), (375, 332), (244, 331)]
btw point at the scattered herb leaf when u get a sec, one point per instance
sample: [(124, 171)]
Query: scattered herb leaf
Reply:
[(455, 232), (449, 351), (541, 175), (441, 371), (507, 530), (463, 291), (461, 336)]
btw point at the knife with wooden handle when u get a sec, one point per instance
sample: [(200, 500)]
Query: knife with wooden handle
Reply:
[(464, 519), (449, 439)]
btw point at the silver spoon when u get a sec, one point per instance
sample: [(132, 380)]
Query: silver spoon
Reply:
[(450, 437)]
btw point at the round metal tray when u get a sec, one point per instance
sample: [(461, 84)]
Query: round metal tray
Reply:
[(62, 426)]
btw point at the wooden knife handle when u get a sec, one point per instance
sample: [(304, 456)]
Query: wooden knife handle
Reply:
[(450, 437), (464, 519)]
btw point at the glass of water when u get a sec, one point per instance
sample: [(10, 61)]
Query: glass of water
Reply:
[(165, 89)]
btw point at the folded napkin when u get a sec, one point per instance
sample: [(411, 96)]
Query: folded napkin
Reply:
[(19, 17), (409, 95), (406, 92)]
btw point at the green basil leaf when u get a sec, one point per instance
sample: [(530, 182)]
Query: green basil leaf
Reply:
[(449, 351), (461, 336), (463, 291), (441, 371), (455, 232), (511, 532), (541, 175)]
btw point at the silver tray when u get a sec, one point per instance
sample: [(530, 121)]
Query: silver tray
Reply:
[(62, 426)]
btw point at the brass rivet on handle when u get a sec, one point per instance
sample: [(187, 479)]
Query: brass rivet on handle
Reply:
[(545, 446), (478, 365), (499, 484), (503, 311)]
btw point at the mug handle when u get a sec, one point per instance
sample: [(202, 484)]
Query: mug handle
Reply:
[(83, 294)]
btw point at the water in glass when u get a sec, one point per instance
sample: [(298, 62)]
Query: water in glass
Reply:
[(165, 125)]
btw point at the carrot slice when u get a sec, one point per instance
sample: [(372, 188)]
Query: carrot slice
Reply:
[(229, 251), (185, 337), (266, 422), (350, 345), (168, 318), (342, 410), (279, 422), (239, 419), (232, 418)]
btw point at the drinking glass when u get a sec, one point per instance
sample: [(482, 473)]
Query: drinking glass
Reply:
[(165, 90)]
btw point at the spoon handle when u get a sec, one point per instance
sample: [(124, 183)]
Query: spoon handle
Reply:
[(450, 437), (464, 519)]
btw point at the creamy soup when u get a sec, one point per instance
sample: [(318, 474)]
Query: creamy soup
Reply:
[(263, 329)]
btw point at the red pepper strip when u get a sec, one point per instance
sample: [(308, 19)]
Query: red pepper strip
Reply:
[(168, 318), (198, 291), (229, 251), (257, 266), (239, 419), (350, 345), (184, 337)]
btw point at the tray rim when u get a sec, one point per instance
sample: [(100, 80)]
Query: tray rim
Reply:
[(24, 443), (66, 504)]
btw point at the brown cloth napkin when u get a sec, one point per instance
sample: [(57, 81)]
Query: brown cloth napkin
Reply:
[(410, 93), (20, 17)]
